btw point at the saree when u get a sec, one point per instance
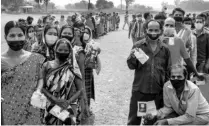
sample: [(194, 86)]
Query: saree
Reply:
[(28, 44), (60, 83), (17, 86)]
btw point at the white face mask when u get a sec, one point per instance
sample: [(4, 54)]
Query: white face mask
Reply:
[(86, 37), (51, 39), (188, 26), (169, 31), (31, 34), (198, 26)]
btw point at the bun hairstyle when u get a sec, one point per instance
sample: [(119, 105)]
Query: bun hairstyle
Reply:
[(12, 24)]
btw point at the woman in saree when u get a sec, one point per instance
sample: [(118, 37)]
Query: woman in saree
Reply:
[(30, 38), (46, 46), (68, 33), (20, 73), (61, 83)]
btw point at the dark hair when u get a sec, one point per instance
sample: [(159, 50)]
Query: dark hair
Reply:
[(160, 16), (78, 24), (201, 16), (146, 15), (62, 16), (64, 27), (44, 19), (29, 18), (65, 41), (178, 9), (30, 26), (161, 26), (139, 15), (49, 27), (12, 24), (134, 16), (187, 19)]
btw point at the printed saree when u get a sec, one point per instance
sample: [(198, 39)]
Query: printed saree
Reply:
[(17, 86), (60, 83)]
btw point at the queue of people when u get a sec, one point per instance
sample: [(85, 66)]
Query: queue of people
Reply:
[(167, 53), (47, 71)]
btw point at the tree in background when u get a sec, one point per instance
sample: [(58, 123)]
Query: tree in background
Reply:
[(12, 5), (128, 2), (141, 8), (104, 4), (194, 5), (46, 2), (38, 2)]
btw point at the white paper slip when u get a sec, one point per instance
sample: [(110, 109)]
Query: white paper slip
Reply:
[(171, 41), (142, 109), (38, 100), (151, 108), (141, 56), (59, 113)]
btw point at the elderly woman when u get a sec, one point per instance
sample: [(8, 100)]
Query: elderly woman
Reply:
[(61, 84), (20, 74), (46, 46)]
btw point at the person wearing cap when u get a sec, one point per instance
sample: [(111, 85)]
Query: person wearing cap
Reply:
[(62, 21), (184, 104)]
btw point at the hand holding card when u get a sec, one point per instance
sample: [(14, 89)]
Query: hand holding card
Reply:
[(141, 56)]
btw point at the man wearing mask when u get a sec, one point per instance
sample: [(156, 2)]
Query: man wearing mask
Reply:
[(193, 54), (137, 29), (29, 20), (177, 47), (150, 76), (184, 103), (181, 30), (130, 32), (202, 45), (62, 21)]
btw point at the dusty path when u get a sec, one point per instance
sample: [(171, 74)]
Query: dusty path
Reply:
[(113, 85)]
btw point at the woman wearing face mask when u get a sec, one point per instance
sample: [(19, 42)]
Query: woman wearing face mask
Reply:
[(46, 46), (67, 32), (20, 74), (30, 38), (61, 83), (92, 61), (78, 47)]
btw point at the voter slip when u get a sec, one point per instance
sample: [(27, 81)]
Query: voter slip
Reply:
[(141, 56), (146, 108)]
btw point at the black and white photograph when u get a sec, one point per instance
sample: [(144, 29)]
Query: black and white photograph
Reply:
[(104, 62)]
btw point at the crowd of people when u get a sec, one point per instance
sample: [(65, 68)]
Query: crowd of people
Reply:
[(47, 72), (170, 55), (49, 66)]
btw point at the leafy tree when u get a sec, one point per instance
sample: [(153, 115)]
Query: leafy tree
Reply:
[(194, 5), (177, 2), (12, 5), (128, 2), (46, 2), (38, 2), (104, 4)]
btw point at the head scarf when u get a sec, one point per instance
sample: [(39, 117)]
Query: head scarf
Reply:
[(71, 59), (48, 50)]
